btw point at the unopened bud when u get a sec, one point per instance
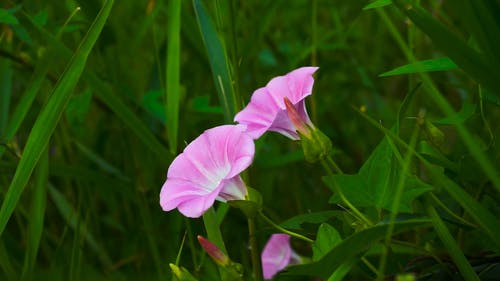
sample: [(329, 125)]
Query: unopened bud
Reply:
[(213, 251)]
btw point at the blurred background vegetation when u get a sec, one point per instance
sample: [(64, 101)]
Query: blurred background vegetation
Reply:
[(153, 82)]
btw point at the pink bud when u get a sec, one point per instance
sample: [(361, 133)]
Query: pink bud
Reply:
[(213, 251)]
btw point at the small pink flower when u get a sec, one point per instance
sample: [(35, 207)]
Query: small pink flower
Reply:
[(267, 110), (277, 255), (207, 170)]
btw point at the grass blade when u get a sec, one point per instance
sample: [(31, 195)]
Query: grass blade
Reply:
[(218, 62), (439, 64), (456, 254), (464, 56), (172, 89), (72, 218), (37, 215), (351, 247), (27, 99), (50, 115)]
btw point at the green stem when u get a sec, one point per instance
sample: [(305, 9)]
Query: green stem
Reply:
[(395, 205), (254, 250), (213, 231), (293, 234), (456, 254), (329, 170), (450, 212)]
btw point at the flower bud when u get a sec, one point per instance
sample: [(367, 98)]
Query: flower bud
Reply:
[(213, 251)]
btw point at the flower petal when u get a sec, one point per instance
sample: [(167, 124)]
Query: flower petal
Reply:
[(232, 189), (177, 192), (209, 164), (259, 114), (276, 255), (266, 109)]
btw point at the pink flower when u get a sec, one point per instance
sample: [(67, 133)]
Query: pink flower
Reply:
[(277, 255), (207, 170), (267, 110)]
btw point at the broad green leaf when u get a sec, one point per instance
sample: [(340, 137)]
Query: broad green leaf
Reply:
[(374, 185), (326, 239), (439, 64), (218, 61), (377, 4), (172, 89), (49, 116), (351, 247), (487, 221), (315, 218), (7, 17)]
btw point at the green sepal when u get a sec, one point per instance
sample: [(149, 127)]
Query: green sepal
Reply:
[(251, 206), (179, 273), (232, 272), (316, 146)]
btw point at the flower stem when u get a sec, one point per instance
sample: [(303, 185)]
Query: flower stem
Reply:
[(293, 234), (254, 250), (328, 164)]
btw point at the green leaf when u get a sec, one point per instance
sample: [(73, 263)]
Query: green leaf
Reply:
[(439, 64), (468, 109), (37, 215), (435, 156), (49, 117), (351, 247), (172, 89), (377, 4), (152, 104), (41, 17), (315, 218), (326, 239), (201, 104), (7, 17), (472, 62), (218, 61), (374, 185)]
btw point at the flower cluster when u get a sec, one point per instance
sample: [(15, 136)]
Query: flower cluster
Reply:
[(209, 167)]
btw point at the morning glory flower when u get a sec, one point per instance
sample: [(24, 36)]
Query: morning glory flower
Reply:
[(267, 109), (277, 255), (207, 170), (280, 107)]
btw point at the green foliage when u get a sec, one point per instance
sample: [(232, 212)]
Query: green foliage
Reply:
[(375, 183), (97, 99)]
